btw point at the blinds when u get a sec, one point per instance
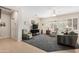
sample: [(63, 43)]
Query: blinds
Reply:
[(0, 13)]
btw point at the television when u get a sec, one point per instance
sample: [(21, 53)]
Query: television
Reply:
[(34, 26)]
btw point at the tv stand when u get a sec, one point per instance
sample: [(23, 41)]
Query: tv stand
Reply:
[(34, 31)]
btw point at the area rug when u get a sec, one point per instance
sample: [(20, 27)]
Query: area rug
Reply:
[(46, 43)]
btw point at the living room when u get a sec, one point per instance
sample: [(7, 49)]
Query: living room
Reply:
[(45, 28), (46, 32), (39, 29)]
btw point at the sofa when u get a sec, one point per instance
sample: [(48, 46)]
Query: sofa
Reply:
[(69, 39)]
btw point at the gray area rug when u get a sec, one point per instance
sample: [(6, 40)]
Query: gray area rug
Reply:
[(46, 43)]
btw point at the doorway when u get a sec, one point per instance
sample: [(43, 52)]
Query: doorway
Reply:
[(8, 24)]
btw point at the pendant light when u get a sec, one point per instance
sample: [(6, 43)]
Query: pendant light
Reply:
[(52, 12)]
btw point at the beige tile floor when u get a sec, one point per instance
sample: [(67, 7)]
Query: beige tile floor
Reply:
[(13, 46)]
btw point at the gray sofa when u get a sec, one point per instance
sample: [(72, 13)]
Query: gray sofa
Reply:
[(68, 40)]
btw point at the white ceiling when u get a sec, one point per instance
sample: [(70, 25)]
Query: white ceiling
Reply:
[(47, 11)]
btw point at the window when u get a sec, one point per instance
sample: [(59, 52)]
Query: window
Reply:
[(75, 20), (69, 22)]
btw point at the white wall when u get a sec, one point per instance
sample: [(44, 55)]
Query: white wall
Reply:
[(18, 21), (13, 19), (5, 31)]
